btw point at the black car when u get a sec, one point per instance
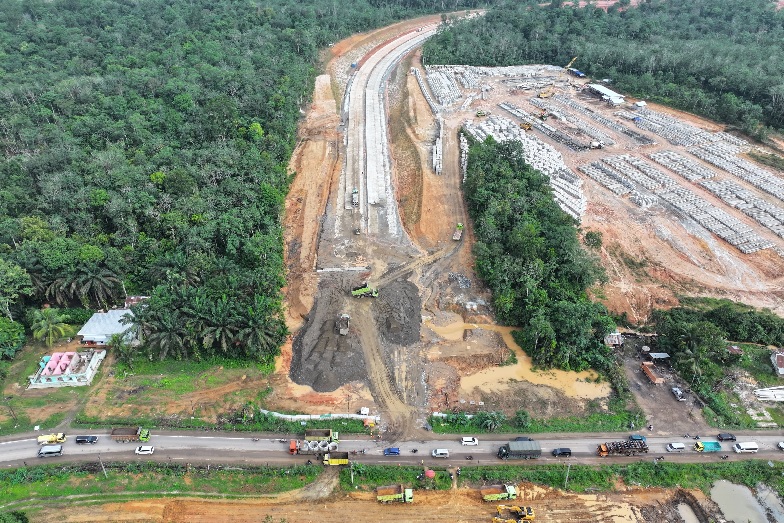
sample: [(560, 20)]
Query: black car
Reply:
[(82, 440), (726, 436), (522, 438), (562, 452)]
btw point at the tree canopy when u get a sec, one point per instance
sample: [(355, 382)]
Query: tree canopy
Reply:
[(144, 151), (719, 58)]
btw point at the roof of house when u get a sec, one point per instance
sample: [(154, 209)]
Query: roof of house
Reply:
[(734, 349), (658, 355), (604, 91), (102, 325), (778, 361)]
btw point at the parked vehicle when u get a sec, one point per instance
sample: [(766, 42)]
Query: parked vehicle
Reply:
[(678, 393), (562, 452), (321, 435), (707, 446), (636, 437), (780, 445), (726, 436), (675, 447), (336, 458), (394, 494), (129, 434), (48, 439), (520, 450), (342, 323), (48, 451), (392, 451), (622, 448), (499, 492), (469, 441), (749, 446), (458, 232), (522, 438), (144, 450), (89, 440)]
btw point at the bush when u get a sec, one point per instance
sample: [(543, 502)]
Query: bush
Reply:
[(12, 338)]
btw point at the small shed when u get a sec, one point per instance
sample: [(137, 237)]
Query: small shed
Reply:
[(777, 358), (658, 356), (734, 349), (614, 339), (641, 103), (100, 328)]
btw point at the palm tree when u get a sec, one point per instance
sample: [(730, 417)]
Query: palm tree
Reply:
[(167, 337), (49, 324), (490, 420), (220, 327), (124, 351), (98, 283), (260, 333)]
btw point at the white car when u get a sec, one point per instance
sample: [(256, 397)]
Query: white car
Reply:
[(780, 445), (469, 441), (145, 449)]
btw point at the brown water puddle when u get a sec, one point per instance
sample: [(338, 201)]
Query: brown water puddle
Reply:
[(496, 379)]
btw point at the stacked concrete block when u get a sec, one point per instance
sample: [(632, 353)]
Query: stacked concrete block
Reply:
[(443, 85), (610, 124), (609, 182), (673, 130), (464, 155), (686, 167), (765, 213), (425, 91), (639, 172), (723, 155), (567, 187)]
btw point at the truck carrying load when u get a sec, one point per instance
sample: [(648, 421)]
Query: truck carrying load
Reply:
[(355, 197), (363, 291), (336, 458), (499, 492), (321, 435), (520, 450), (342, 324), (707, 446), (458, 232), (128, 434), (312, 447), (622, 448), (48, 439), (394, 494)]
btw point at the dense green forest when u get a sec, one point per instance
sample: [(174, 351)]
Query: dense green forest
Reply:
[(695, 335), (145, 146), (528, 253), (723, 59)]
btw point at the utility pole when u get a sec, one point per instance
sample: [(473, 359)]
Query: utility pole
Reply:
[(568, 467), (8, 404), (102, 467)]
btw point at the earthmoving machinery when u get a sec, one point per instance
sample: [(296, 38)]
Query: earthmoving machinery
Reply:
[(546, 93), (49, 439), (496, 519), (481, 112), (458, 232), (525, 126), (499, 492), (622, 448), (520, 513), (341, 325), (364, 291), (394, 494)]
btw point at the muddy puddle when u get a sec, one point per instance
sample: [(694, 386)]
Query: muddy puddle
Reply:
[(737, 503), (687, 514), (496, 379)]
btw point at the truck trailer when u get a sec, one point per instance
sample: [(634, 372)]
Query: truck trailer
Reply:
[(622, 448), (707, 446), (499, 492), (321, 435), (130, 434), (520, 450), (50, 439), (394, 494), (336, 458), (312, 447)]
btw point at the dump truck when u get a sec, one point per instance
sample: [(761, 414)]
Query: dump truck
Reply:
[(355, 197), (707, 446), (312, 447), (336, 458), (321, 435), (49, 439), (394, 494), (481, 112), (363, 291), (519, 513), (458, 232), (341, 325), (520, 450), (499, 492), (128, 434), (622, 448)]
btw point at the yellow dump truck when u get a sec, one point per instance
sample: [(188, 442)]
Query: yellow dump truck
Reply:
[(49, 439), (336, 458)]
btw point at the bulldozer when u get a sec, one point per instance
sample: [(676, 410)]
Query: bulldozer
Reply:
[(519, 513), (525, 126), (547, 93)]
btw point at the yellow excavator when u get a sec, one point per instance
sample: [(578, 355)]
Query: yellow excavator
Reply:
[(520, 513)]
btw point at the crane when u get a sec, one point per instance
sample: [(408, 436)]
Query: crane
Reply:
[(570, 63)]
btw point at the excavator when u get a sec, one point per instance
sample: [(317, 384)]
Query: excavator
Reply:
[(520, 513)]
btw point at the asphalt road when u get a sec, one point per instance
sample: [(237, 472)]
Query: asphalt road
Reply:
[(230, 448)]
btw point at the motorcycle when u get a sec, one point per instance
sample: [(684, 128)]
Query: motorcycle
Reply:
[(469, 458), (254, 439), (725, 456), (414, 451)]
